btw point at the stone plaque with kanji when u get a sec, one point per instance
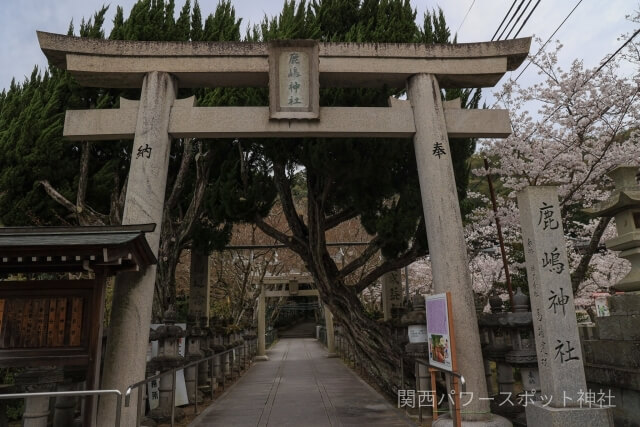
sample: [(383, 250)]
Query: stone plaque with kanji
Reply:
[(293, 79)]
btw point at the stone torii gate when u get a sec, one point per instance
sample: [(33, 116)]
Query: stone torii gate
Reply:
[(294, 71), (291, 282)]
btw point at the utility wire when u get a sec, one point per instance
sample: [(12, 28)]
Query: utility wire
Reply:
[(471, 93), (525, 21), (543, 46), (465, 16), (614, 54), (586, 81), (518, 20), (504, 19), (513, 16), (550, 37)]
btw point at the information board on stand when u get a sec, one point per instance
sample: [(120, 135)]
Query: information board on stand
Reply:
[(442, 345)]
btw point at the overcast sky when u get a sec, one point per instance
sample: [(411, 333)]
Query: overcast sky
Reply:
[(590, 33)]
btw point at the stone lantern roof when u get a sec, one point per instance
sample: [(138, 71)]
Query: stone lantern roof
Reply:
[(624, 205), (626, 194)]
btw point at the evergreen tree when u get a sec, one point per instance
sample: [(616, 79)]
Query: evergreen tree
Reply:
[(375, 181)]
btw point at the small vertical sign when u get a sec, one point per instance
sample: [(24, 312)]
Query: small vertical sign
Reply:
[(602, 304), (293, 79)]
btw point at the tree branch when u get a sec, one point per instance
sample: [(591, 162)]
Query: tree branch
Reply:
[(281, 237), (84, 214), (581, 271), (178, 185), (387, 266), (203, 161), (298, 228), (83, 179), (57, 197), (338, 218), (372, 248)]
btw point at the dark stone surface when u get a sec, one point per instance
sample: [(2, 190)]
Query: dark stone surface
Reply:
[(624, 304), (619, 327), (625, 404), (612, 358), (630, 417), (630, 326), (624, 354), (537, 415), (609, 327), (613, 376)]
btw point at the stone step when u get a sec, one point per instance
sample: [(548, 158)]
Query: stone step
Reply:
[(301, 330)]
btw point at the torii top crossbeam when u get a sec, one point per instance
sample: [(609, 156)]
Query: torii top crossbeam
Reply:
[(123, 64)]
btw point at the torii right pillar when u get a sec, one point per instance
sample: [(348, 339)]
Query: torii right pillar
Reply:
[(447, 246)]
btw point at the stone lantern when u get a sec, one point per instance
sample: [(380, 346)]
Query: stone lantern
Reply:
[(496, 345), (168, 336), (523, 353), (624, 206), (416, 323), (195, 339)]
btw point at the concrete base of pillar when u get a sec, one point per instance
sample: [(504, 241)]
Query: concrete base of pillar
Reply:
[(493, 421), (331, 355), (538, 415), (261, 358)]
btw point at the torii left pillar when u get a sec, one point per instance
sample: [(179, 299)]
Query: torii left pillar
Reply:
[(126, 352)]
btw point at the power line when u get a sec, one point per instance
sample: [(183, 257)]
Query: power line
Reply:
[(513, 16), (518, 20), (471, 94), (550, 37), (526, 20), (504, 19), (614, 54), (543, 46), (465, 16)]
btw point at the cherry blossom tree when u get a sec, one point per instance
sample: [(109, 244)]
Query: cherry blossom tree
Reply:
[(584, 123)]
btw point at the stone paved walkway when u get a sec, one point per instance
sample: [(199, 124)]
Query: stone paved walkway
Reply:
[(300, 386)]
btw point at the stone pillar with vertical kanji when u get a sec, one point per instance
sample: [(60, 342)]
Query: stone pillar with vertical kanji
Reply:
[(564, 387), (447, 246)]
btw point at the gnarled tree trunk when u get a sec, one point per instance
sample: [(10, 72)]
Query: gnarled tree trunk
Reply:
[(373, 341)]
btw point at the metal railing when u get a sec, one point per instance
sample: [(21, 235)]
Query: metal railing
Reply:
[(351, 355), (456, 415), (251, 347), (80, 393)]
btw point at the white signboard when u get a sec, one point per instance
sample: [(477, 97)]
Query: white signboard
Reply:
[(602, 305), (418, 333)]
